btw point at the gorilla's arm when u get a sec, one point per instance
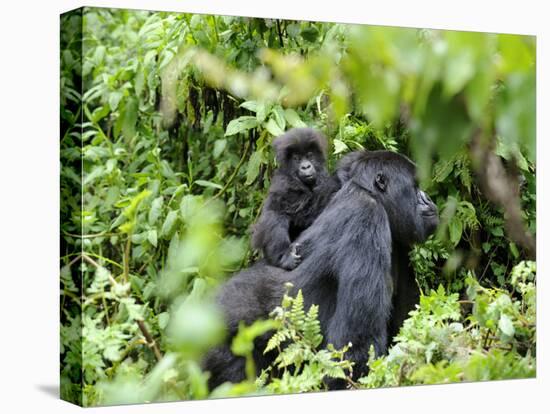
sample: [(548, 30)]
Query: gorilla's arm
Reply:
[(271, 235)]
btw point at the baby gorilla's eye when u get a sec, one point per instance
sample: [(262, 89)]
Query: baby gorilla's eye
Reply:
[(310, 155), (295, 157)]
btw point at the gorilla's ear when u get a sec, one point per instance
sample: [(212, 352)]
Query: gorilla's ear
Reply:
[(380, 182), (346, 166)]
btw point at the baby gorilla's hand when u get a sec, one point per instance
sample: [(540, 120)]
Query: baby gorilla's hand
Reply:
[(292, 258)]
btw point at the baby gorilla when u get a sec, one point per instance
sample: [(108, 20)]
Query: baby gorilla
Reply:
[(300, 189)]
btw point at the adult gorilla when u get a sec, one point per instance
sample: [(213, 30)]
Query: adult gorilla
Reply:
[(355, 259)]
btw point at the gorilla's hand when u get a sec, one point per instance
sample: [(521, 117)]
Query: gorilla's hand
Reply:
[(292, 257)]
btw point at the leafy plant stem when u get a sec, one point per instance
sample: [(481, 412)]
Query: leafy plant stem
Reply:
[(150, 341), (126, 260), (237, 168)]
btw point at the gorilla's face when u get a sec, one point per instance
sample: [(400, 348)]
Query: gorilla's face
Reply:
[(391, 179), (413, 215), (304, 163), (301, 154), (305, 167)]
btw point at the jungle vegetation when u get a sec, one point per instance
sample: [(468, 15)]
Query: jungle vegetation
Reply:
[(167, 121)]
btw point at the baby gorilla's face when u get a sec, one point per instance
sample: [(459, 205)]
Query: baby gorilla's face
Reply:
[(301, 155), (305, 166)]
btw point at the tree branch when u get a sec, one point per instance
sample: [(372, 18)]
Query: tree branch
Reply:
[(150, 341), (280, 33), (502, 188)]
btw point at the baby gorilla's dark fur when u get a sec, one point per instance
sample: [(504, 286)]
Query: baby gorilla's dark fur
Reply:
[(300, 189), (355, 266)]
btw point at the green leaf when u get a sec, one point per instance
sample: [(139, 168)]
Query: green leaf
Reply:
[(273, 128), (293, 29), (100, 113), (98, 55), (114, 100), (261, 114), (129, 118), (250, 105), (196, 326), (131, 210), (155, 211), (339, 146), (506, 326), (241, 124), (219, 146), (515, 112), (243, 343), (478, 92), (497, 231), (455, 230), (514, 250), (442, 170), (253, 167), (190, 205), (459, 69), (152, 237), (515, 52), (138, 238), (168, 224), (163, 319), (204, 183), (310, 33), (97, 172), (293, 118), (279, 116)]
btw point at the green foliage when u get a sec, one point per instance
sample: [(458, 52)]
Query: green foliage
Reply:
[(300, 364), (167, 121), (441, 342), (243, 343), (424, 259)]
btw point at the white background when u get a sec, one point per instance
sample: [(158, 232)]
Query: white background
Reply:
[(29, 204)]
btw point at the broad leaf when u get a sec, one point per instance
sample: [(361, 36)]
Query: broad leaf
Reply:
[(241, 124), (253, 167)]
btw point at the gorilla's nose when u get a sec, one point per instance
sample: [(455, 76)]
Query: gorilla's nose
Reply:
[(305, 166)]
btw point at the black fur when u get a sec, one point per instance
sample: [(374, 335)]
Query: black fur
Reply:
[(300, 189), (355, 265)]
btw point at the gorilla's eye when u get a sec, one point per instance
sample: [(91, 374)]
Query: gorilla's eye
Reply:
[(309, 155), (295, 157), (380, 182)]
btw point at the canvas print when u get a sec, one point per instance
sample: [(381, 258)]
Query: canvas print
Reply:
[(258, 206)]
